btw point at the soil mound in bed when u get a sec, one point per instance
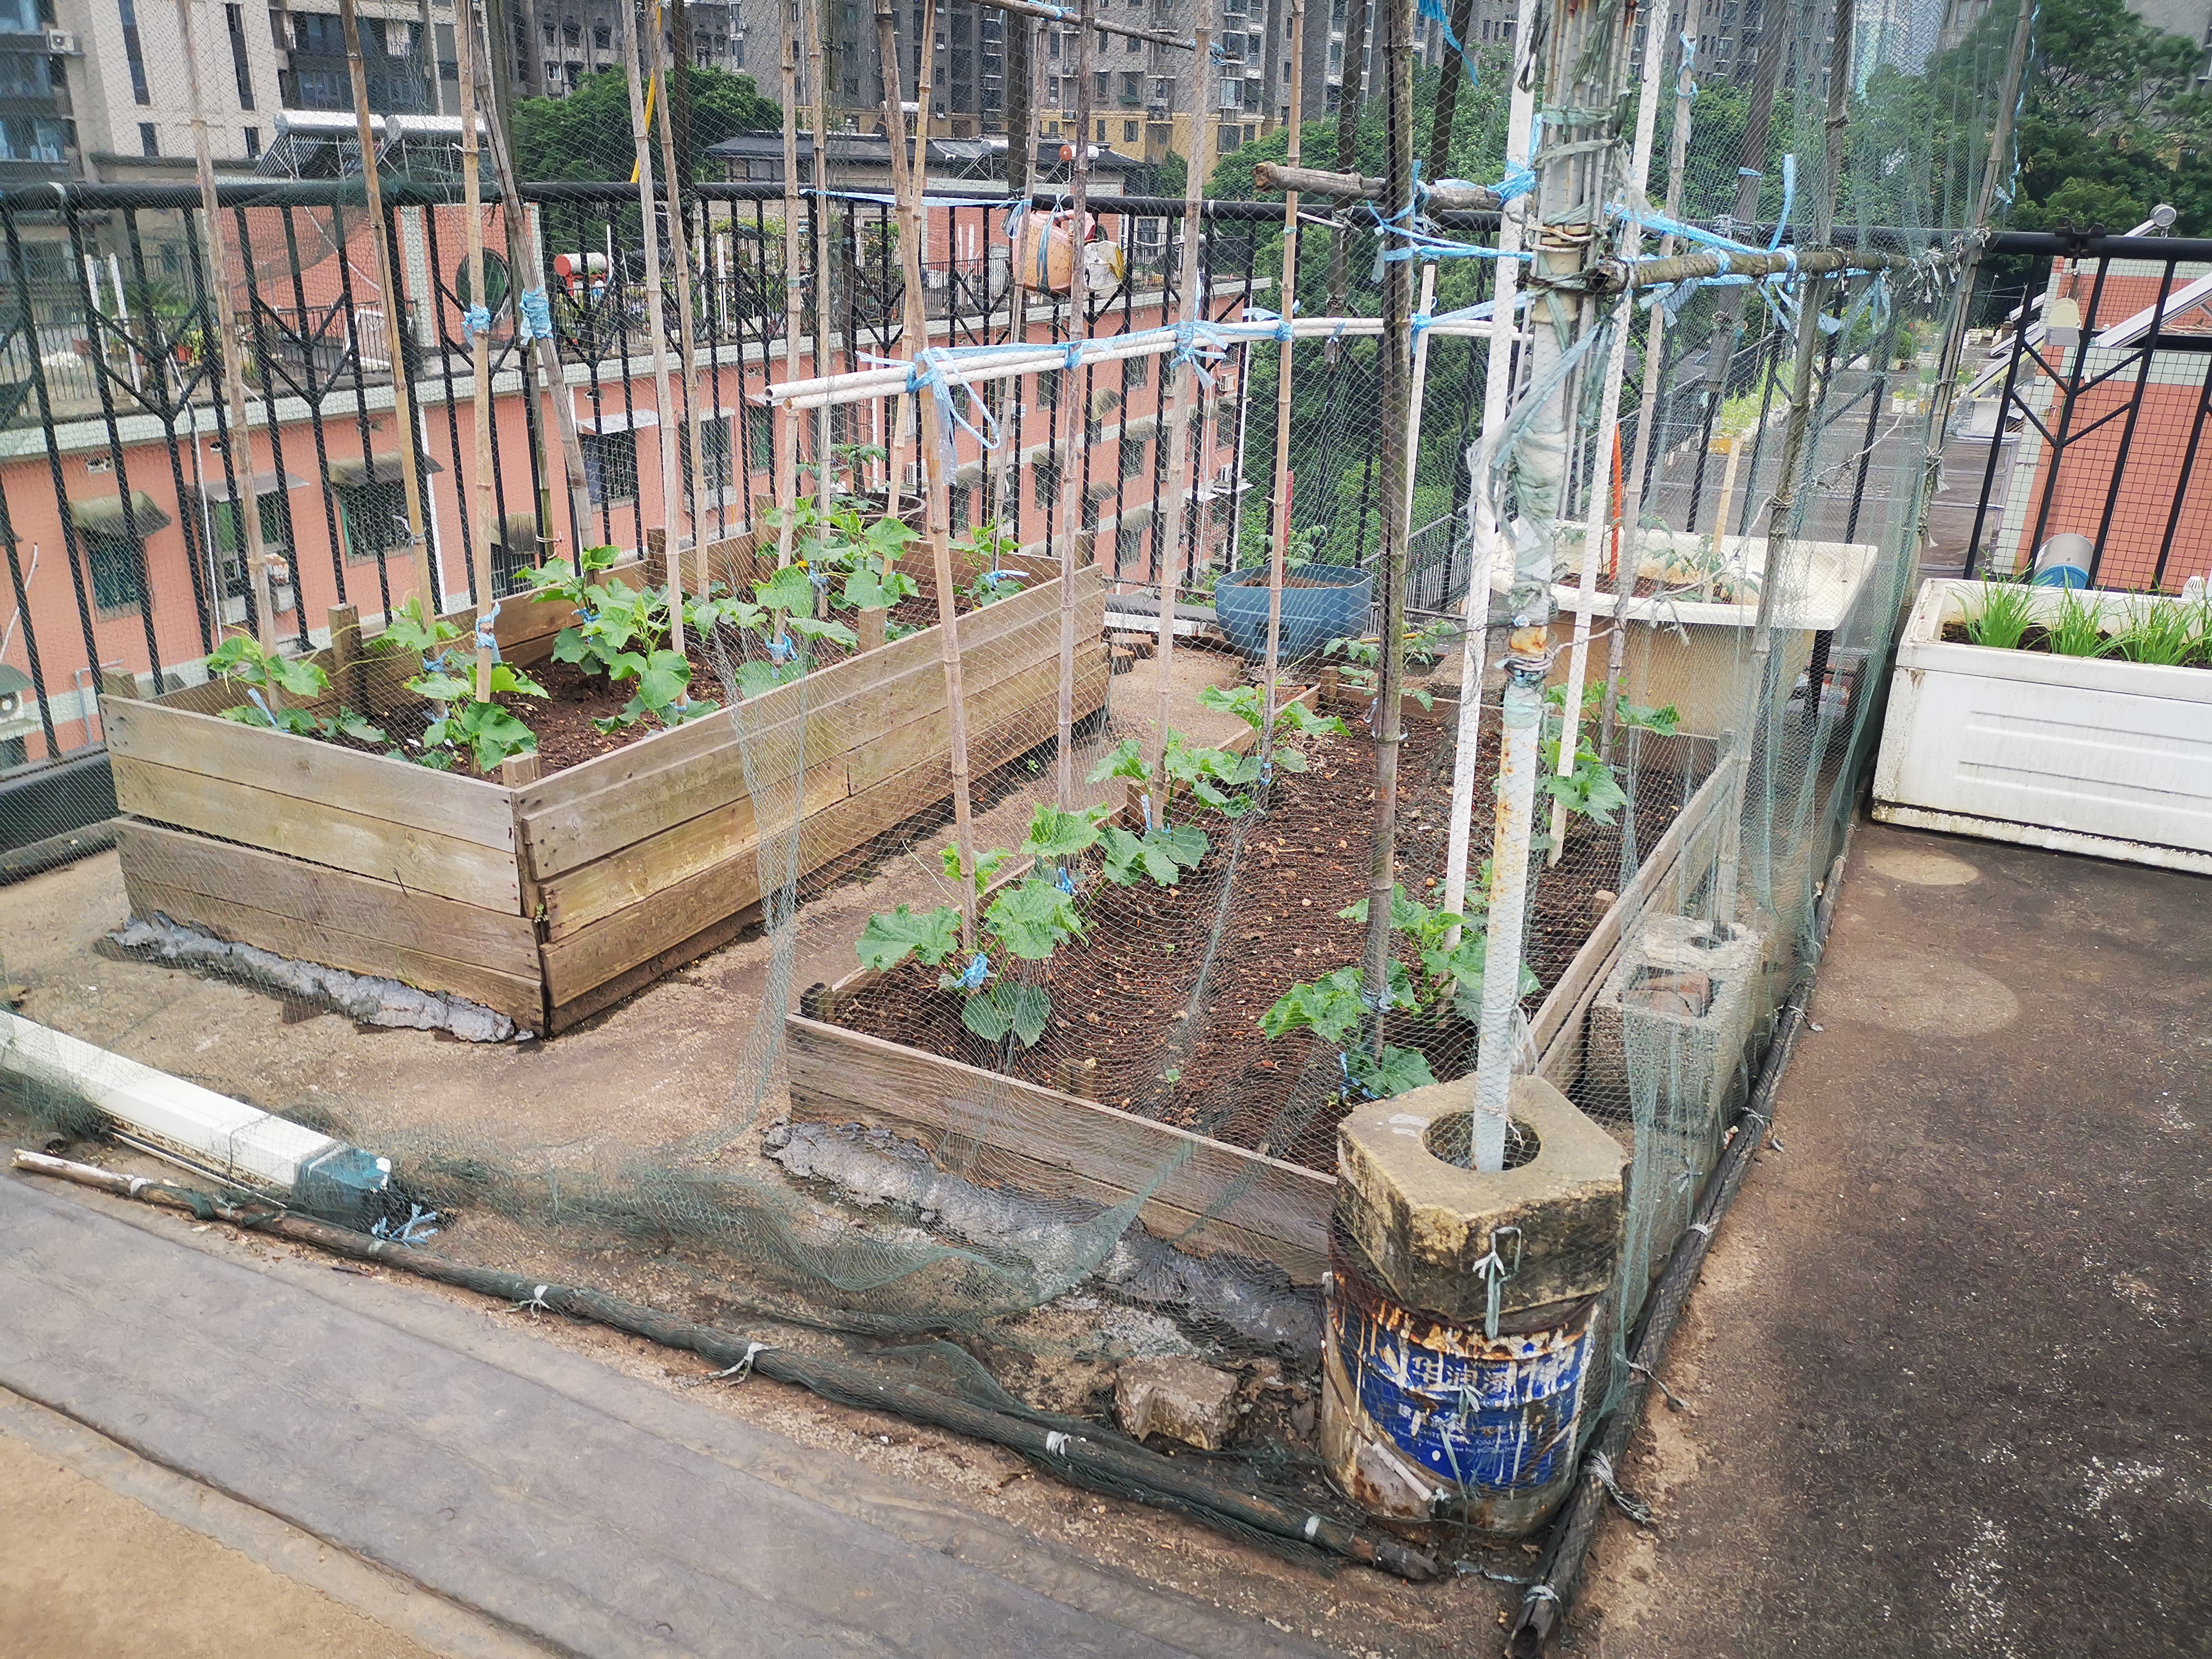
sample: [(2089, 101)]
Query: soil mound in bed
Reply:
[(1166, 990)]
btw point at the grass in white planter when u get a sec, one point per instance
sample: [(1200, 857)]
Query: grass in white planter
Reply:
[(2002, 619), (2159, 631), (2078, 630)]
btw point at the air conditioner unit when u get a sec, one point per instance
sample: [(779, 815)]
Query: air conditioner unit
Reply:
[(61, 44)]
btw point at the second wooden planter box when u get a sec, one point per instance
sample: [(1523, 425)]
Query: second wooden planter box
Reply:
[(553, 899)]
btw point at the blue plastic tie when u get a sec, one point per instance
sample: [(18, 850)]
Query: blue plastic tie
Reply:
[(780, 650), (1434, 12), (977, 971), (474, 321), (1065, 882), (1789, 198), (535, 313), (259, 703), (486, 639)]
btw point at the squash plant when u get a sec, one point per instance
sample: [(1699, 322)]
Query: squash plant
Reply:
[(1025, 920), (486, 730), (1335, 1006), (261, 672)]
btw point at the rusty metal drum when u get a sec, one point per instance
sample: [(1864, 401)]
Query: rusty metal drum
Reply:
[(1425, 1420)]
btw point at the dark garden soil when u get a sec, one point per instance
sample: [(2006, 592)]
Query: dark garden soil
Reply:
[(1165, 991)]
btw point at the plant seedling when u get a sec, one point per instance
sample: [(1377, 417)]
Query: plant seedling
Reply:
[(2001, 620), (240, 658), (2157, 630), (2078, 630)]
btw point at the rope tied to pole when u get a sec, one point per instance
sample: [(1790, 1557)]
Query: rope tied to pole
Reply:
[(533, 316), (487, 640), (475, 320)]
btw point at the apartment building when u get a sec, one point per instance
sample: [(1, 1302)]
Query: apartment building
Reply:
[(557, 43)]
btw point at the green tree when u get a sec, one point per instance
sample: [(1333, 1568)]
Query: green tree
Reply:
[(586, 135)]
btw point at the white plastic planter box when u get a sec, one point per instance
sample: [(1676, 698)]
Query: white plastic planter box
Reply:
[(1695, 654), (2084, 755)]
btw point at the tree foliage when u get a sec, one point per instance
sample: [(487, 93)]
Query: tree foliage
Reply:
[(587, 134)]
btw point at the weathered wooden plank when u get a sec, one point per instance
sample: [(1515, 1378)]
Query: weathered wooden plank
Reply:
[(1280, 1211), (420, 859), (575, 898), (452, 807), (519, 999), (647, 787), (335, 900), (567, 1015)]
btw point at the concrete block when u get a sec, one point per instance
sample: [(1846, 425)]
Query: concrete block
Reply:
[(1422, 1223), (1179, 1399), (1650, 1013)]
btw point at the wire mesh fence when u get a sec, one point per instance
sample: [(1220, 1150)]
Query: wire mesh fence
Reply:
[(1088, 1107)]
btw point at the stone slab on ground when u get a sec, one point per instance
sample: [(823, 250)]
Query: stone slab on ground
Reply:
[(1948, 1366), (568, 1502)]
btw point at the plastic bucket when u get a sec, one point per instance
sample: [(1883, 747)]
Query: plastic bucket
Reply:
[(1328, 602)]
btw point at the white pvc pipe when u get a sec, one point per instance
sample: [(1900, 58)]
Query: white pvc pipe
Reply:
[(1482, 515), (206, 1130)]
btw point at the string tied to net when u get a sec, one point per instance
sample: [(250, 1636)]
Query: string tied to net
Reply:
[(1600, 1470), (1494, 1270)]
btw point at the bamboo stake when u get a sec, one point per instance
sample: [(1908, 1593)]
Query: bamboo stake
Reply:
[(529, 273), (487, 508), (1604, 492), (939, 483), (1070, 412), (395, 317), (1186, 385), (1482, 510), (687, 337), (1287, 303), (248, 505), (1351, 92), (1401, 405), (656, 321), (794, 300), (824, 480), (1647, 425)]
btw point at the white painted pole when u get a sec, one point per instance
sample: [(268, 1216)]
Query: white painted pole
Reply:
[(1482, 511)]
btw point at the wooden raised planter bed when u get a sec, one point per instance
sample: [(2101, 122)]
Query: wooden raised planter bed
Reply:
[(1203, 1194), (551, 900)]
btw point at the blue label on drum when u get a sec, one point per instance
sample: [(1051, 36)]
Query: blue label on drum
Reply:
[(1500, 1418)]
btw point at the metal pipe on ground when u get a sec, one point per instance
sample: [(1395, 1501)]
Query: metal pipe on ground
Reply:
[(1128, 1470)]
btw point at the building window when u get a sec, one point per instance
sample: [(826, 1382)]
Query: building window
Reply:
[(1128, 546), (714, 434), (1044, 474), (610, 466), (150, 140), (1136, 372), (1128, 132), (376, 518), (119, 572), (1132, 457), (230, 555), (139, 94), (1047, 389), (235, 18), (760, 438), (253, 143)]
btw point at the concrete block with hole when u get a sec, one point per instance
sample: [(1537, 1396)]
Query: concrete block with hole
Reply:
[(1423, 1221), (1678, 1007)]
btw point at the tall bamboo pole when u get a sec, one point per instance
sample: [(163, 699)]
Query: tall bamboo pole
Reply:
[(489, 529), (1352, 85), (663, 68), (939, 489), (794, 300), (1400, 414), (1070, 413), (1603, 503), (1647, 421), (1185, 368), (248, 505), (529, 277), (824, 481), (1287, 300), (395, 317), (656, 321)]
